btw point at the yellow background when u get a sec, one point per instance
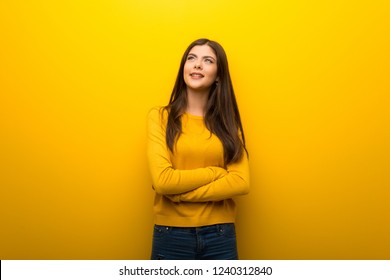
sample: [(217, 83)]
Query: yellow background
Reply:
[(77, 79)]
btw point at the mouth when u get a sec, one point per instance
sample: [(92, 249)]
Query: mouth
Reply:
[(196, 75)]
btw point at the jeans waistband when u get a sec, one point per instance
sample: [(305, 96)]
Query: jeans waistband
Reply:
[(202, 229)]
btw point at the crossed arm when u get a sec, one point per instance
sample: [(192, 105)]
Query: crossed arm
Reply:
[(210, 183)]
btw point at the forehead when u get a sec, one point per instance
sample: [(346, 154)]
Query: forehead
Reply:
[(203, 50)]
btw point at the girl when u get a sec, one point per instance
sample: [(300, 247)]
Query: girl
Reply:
[(197, 160)]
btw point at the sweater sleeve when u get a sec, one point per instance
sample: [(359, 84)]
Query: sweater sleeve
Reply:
[(167, 180), (235, 183)]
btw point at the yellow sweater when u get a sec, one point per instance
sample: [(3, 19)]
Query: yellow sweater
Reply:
[(192, 187)]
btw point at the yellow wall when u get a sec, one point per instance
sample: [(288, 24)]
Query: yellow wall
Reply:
[(78, 77)]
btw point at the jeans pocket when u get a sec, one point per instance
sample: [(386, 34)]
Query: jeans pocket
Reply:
[(227, 230), (159, 231)]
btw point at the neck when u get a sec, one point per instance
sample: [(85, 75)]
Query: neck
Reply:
[(196, 102)]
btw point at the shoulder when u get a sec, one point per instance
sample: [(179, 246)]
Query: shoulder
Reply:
[(158, 113)]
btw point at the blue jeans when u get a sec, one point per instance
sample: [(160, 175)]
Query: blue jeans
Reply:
[(215, 242)]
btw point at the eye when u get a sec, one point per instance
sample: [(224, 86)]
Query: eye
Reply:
[(190, 57), (208, 61)]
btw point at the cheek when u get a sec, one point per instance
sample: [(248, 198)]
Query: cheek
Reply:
[(213, 73), (186, 69), (186, 73)]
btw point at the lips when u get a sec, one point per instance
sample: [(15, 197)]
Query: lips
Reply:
[(196, 75)]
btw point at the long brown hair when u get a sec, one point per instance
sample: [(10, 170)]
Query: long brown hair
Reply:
[(222, 116)]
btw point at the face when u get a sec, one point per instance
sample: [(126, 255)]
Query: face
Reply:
[(200, 68)]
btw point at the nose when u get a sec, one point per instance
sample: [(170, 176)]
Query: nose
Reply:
[(197, 65)]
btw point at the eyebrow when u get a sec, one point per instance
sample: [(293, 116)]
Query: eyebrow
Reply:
[(206, 56)]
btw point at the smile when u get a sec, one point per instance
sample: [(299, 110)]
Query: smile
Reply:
[(196, 75)]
